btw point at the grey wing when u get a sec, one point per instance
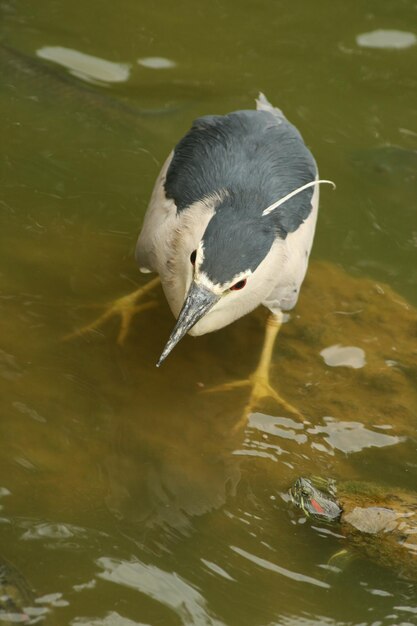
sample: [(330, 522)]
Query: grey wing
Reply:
[(160, 213), (298, 242), (292, 165)]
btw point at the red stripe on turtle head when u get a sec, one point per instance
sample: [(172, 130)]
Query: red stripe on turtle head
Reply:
[(316, 506)]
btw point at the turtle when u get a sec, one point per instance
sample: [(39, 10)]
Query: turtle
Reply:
[(377, 522)]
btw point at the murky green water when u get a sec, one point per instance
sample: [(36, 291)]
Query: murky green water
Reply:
[(128, 497)]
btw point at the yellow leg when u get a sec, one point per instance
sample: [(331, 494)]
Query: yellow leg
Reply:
[(125, 307), (259, 380)]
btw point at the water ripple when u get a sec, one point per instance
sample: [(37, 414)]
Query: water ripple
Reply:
[(168, 588), (278, 569)]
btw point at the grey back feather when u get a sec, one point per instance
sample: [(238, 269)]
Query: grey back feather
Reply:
[(255, 156)]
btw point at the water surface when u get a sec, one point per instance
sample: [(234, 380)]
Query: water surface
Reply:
[(128, 496)]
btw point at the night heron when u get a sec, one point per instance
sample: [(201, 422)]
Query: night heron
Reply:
[(230, 226)]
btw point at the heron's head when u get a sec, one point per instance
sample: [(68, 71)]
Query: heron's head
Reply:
[(230, 274)]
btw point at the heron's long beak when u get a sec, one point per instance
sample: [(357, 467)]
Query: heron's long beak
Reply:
[(199, 300)]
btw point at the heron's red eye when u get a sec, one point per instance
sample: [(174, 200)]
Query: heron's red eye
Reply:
[(238, 285), (193, 257)]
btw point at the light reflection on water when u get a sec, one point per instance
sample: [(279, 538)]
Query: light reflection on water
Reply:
[(128, 497), (167, 588)]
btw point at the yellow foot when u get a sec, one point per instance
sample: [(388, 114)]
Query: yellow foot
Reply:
[(259, 381), (125, 307), (260, 389)]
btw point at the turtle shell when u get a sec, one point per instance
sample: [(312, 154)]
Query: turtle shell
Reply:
[(381, 524)]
